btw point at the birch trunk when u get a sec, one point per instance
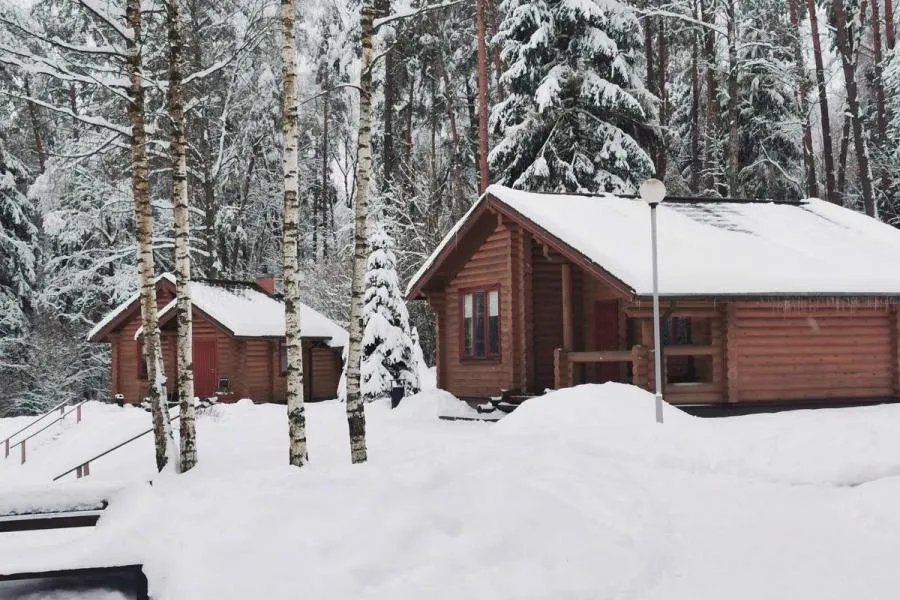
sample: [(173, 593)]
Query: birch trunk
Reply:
[(184, 352), (809, 161), (356, 416), (291, 268), (143, 219), (859, 142)]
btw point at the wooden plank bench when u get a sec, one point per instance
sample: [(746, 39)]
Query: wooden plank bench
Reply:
[(54, 520)]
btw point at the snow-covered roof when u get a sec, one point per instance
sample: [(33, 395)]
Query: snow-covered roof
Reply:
[(124, 306), (715, 248), (247, 311)]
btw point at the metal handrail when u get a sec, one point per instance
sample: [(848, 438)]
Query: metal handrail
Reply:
[(59, 407), (83, 469), (21, 443)]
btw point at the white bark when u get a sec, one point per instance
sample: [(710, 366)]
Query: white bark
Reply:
[(291, 219), (187, 438), (356, 416), (143, 219)]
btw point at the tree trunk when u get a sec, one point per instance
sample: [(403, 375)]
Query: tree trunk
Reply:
[(356, 415), (325, 196), (809, 161), (880, 110), (143, 219), (188, 440), (889, 23), (291, 268), (388, 150), (696, 165), (827, 147), (842, 157), (482, 97), (36, 129), (663, 73), (708, 16), (859, 142), (733, 132)]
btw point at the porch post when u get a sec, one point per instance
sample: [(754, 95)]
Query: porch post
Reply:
[(568, 330)]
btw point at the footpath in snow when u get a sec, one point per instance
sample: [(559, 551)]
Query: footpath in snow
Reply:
[(578, 494)]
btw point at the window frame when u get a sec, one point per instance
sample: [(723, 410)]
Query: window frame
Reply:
[(486, 327)]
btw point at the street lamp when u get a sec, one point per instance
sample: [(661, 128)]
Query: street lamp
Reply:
[(653, 191)]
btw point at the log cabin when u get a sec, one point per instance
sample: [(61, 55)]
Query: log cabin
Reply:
[(761, 301), (238, 343)]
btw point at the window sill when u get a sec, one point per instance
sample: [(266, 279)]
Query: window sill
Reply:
[(480, 359)]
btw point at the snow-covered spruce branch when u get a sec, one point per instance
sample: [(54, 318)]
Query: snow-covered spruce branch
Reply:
[(92, 121), (412, 13), (60, 43)]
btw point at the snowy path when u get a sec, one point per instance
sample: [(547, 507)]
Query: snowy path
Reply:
[(575, 496)]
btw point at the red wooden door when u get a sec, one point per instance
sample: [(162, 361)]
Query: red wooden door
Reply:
[(606, 337), (206, 373)]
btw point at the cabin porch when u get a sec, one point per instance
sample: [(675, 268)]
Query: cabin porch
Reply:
[(607, 336)]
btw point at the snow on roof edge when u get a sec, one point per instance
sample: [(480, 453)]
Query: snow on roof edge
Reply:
[(123, 306)]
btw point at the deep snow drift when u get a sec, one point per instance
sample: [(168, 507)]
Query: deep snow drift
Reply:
[(577, 495)]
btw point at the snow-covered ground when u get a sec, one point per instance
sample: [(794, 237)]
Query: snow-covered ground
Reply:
[(576, 495)]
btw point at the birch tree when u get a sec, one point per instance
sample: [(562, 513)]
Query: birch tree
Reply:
[(356, 416), (143, 219), (184, 358), (290, 227)]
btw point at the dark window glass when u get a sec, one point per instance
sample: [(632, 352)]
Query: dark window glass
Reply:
[(468, 323), (282, 358), (142, 362), (493, 322), (478, 303)]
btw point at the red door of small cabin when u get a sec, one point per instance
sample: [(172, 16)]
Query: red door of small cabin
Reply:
[(205, 369), (606, 337)]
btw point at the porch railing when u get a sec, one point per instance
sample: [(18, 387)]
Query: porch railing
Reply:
[(640, 358), (564, 362)]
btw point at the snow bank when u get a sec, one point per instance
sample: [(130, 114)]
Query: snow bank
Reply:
[(432, 404), (62, 497)]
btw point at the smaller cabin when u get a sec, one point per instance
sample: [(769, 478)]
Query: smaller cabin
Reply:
[(238, 343), (761, 301)]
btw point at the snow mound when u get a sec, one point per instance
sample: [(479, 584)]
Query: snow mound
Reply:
[(586, 410), (434, 403)]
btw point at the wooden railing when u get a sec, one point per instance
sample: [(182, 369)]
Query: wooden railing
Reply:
[(7, 448), (564, 363), (83, 469), (640, 357)]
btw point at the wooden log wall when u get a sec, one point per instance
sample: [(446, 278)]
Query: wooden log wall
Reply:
[(813, 353), (488, 267)]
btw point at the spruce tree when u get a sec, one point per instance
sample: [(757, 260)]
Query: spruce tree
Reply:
[(388, 350), (576, 101), (18, 241)]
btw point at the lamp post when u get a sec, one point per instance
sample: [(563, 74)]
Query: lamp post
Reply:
[(653, 191)]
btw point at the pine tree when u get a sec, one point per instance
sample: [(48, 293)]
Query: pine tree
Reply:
[(389, 357), (18, 241), (576, 100)]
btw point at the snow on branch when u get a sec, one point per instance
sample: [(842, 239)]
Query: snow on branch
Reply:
[(56, 41), (88, 120), (412, 13), (40, 65), (679, 17), (93, 6)]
